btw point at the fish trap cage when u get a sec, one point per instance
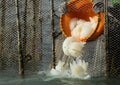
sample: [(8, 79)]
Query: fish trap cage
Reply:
[(31, 39)]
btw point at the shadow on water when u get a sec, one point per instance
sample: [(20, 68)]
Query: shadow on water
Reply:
[(43, 79)]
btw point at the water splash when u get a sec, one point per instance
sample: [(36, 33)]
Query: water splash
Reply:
[(75, 69)]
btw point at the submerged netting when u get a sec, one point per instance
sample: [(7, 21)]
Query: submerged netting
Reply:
[(35, 34), (36, 38)]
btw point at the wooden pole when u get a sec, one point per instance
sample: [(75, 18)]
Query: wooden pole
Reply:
[(106, 34), (41, 35), (20, 54), (34, 28), (2, 28), (25, 29), (53, 33)]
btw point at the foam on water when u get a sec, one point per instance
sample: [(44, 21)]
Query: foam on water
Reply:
[(76, 69)]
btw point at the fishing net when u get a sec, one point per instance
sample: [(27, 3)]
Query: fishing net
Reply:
[(99, 53), (36, 38)]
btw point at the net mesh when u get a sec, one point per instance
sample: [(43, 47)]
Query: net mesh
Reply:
[(35, 25)]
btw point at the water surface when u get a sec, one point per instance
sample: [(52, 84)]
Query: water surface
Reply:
[(42, 79)]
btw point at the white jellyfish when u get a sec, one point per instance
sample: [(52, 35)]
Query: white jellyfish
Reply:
[(66, 44), (61, 66), (79, 69), (76, 31), (72, 48), (75, 49), (94, 21), (73, 23), (86, 30), (80, 22)]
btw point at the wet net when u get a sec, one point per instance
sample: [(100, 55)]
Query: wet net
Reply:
[(28, 41)]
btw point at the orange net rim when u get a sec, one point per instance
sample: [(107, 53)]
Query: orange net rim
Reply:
[(98, 30)]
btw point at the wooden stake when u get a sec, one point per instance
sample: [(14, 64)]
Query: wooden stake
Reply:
[(53, 33), (25, 29), (20, 53), (2, 28), (106, 34)]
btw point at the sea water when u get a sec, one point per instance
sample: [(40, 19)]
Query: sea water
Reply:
[(42, 78)]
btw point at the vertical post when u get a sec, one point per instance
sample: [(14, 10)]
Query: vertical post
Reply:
[(25, 29), (53, 33), (2, 28), (40, 20), (34, 27), (20, 54), (106, 34), (35, 30)]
